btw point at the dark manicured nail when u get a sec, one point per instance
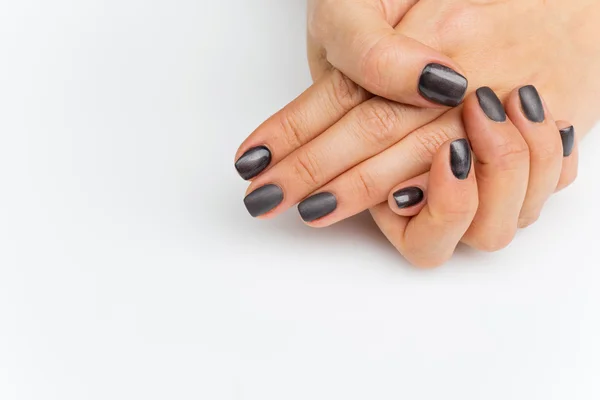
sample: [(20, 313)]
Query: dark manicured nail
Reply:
[(408, 197), (491, 104), (253, 162), (568, 140), (531, 102), (263, 200), (460, 158), (442, 85), (317, 206)]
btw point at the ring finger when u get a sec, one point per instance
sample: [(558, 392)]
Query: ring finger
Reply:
[(527, 111)]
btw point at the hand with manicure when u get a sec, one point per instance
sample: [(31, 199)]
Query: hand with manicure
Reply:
[(387, 74)]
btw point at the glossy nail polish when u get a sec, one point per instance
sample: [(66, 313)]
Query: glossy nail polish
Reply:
[(408, 197), (491, 104), (567, 136), (253, 162), (263, 200), (531, 103), (442, 85), (317, 206), (460, 158)]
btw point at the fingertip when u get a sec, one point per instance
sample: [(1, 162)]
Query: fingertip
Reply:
[(452, 182), (567, 137), (253, 162), (570, 167), (316, 209), (407, 201), (526, 104), (442, 85)]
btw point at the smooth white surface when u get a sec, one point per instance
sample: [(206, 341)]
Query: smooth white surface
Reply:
[(129, 268)]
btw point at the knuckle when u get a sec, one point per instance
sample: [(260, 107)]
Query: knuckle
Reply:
[(306, 169), (377, 121), (346, 93), (511, 155), (365, 187), (428, 142), (461, 209), (377, 63), (547, 151), (292, 128), (451, 216)]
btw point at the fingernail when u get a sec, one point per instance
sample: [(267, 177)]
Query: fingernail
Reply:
[(491, 104), (263, 200), (460, 158), (568, 140), (317, 206), (408, 197), (442, 85), (531, 102), (253, 162)]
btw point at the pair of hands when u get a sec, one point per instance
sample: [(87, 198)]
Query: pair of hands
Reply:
[(373, 120)]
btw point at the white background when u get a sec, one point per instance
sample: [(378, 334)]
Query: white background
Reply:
[(130, 269)]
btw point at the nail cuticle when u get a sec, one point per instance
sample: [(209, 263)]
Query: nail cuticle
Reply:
[(317, 206), (442, 85), (253, 162)]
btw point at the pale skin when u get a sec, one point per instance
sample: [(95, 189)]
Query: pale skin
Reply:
[(343, 136)]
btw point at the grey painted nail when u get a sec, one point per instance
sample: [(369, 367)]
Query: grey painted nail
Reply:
[(317, 206), (442, 85), (491, 104), (532, 105), (263, 200), (567, 136), (253, 162), (408, 197), (460, 158)]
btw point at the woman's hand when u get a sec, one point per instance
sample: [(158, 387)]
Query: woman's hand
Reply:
[(519, 162), (343, 151), (358, 38)]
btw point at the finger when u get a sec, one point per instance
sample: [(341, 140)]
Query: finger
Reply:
[(409, 198), (502, 169), (529, 114), (370, 182), (570, 163), (359, 41), (430, 238), (318, 108), (364, 132)]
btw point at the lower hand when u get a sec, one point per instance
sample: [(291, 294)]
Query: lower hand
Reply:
[(478, 200)]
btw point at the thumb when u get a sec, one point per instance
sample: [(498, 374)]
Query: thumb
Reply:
[(361, 43)]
